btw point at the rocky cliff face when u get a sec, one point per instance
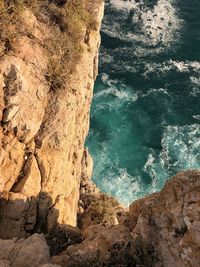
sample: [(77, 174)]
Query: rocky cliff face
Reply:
[(159, 230), (162, 229), (44, 111), (48, 64)]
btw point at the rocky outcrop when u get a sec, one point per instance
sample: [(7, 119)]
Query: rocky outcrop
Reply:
[(96, 207), (168, 223), (44, 111), (163, 230), (22, 253)]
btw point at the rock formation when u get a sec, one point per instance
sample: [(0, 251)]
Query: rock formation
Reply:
[(44, 111), (48, 64), (162, 230), (23, 252)]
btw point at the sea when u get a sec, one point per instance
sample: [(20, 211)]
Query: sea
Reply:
[(145, 115)]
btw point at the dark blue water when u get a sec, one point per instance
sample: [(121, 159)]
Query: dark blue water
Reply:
[(145, 117)]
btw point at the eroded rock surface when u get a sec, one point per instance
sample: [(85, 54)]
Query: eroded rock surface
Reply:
[(23, 253), (163, 231), (43, 127), (168, 222)]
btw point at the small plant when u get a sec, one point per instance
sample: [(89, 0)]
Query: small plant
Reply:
[(60, 238), (100, 209), (90, 260)]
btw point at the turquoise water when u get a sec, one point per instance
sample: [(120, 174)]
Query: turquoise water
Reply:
[(145, 117)]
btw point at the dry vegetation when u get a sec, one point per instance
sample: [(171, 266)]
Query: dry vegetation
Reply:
[(100, 209), (69, 21)]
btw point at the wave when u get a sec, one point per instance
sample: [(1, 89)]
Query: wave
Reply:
[(154, 92), (123, 91), (123, 186), (191, 67), (150, 26), (181, 146), (123, 5), (115, 88), (180, 151), (143, 129), (114, 96), (197, 117), (112, 91)]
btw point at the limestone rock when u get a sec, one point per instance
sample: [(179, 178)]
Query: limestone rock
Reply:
[(11, 160), (9, 113), (43, 129), (49, 265), (24, 253), (14, 210), (4, 264), (99, 241), (163, 231), (167, 223), (30, 183), (96, 207)]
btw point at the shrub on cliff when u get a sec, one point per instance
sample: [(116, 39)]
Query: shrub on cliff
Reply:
[(62, 237)]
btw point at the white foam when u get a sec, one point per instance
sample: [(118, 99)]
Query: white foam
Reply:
[(182, 144), (112, 91), (186, 66), (154, 26), (149, 162), (180, 151), (197, 117), (161, 22), (117, 89), (124, 186), (105, 77), (154, 91), (123, 5), (195, 80), (179, 66)]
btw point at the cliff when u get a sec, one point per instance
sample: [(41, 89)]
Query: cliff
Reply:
[(161, 230), (51, 214), (48, 64)]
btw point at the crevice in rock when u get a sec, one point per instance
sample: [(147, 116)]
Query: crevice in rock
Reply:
[(87, 37), (40, 167), (10, 87), (24, 173), (180, 232), (43, 204), (30, 215), (51, 108), (61, 237)]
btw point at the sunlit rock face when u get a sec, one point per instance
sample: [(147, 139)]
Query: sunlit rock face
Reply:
[(43, 129)]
